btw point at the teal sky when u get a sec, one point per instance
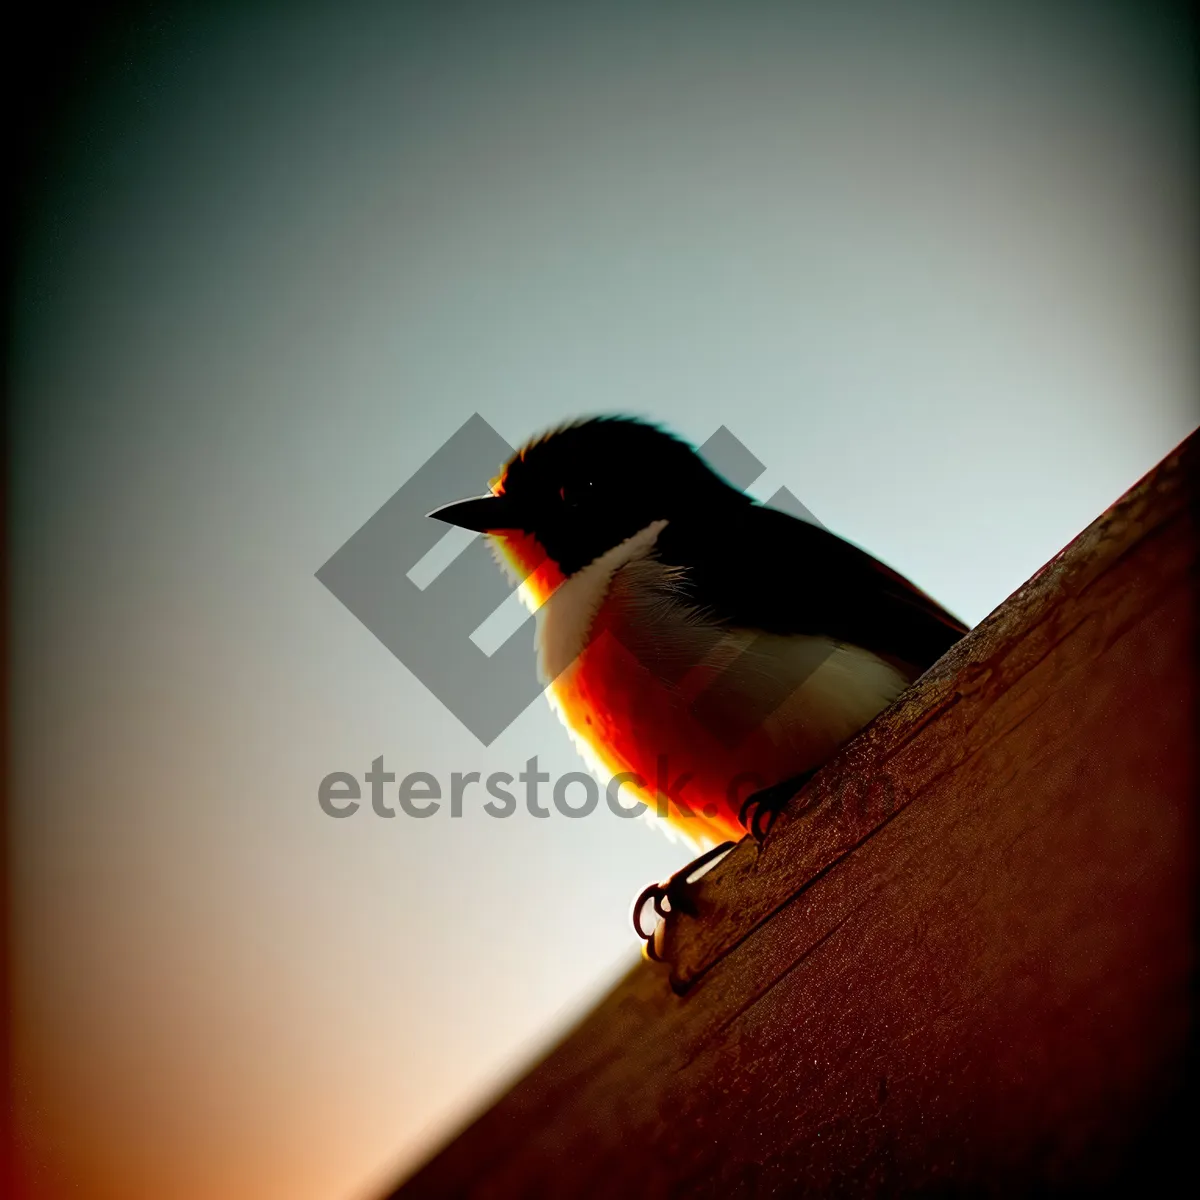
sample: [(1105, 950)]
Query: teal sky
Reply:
[(935, 271)]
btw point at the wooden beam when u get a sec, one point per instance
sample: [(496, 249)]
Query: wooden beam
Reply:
[(963, 959)]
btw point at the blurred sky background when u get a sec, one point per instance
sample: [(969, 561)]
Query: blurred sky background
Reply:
[(931, 263)]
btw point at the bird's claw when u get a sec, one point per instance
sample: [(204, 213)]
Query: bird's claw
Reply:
[(758, 814), (676, 895), (760, 809)]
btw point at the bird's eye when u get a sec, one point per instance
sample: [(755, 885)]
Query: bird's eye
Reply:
[(574, 494)]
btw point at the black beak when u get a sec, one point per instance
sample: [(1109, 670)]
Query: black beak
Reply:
[(481, 513)]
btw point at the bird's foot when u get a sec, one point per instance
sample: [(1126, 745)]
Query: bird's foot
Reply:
[(760, 809), (677, 895)]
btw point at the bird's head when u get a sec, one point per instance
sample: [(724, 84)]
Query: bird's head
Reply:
[(571, 494)]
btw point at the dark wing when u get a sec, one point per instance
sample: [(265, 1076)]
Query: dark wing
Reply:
[(759, 568)]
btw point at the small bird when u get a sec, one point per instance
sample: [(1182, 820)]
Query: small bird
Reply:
[(710, 651)]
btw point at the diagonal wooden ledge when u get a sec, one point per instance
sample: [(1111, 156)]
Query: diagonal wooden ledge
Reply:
[(965, 962)]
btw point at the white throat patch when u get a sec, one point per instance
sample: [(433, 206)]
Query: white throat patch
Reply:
[(565, 620)]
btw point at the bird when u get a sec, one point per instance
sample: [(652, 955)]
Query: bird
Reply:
[(706, 650)]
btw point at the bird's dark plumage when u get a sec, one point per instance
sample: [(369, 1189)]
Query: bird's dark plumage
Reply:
[(754, 567), (584, 487)]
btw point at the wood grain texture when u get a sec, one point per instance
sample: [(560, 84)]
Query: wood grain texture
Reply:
[(964, 959)]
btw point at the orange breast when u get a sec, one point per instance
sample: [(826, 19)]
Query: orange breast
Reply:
[(530, 563), (628, 720)]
